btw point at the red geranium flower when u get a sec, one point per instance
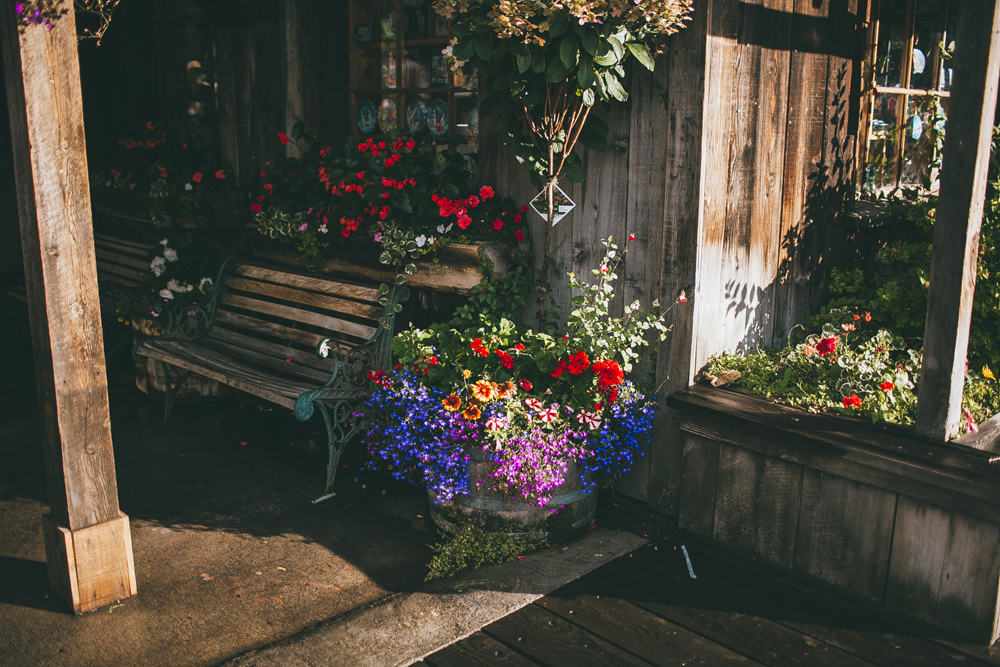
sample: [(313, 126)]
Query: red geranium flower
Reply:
[(486, 192), (578, 362), (886, 386), (498, 224), (519, 235), (283, 137), (560, 369), (852, 401), (525, 384), (826, 346), (221, 174)]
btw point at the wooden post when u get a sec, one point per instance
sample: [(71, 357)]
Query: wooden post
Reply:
[(959, 213), (88, 545)]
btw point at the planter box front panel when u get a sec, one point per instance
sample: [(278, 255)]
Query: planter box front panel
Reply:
[(911, 525)]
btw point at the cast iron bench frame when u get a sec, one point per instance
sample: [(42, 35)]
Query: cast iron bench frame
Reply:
[(302, 341)]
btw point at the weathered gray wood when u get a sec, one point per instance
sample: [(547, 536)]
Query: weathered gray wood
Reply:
[(275, 350), (987, 439), (297, 315), (949, 477), (699, 484), (307, 338), (643, 265), (945, 569), (682, 198), (280, 367), (329, 303), (959, 212), (317, 284), (844, 534), (46, 114), (756, 509)]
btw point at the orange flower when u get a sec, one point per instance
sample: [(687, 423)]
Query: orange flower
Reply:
[(506, 390), (472, 413), (484, 391), (452, 402)]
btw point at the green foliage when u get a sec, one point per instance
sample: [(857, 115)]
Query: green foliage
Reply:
[(853, 367), (897, 294), (547, 64), (475, 544), (494, 299)]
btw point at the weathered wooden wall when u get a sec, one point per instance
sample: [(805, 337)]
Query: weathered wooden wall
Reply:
[(730, 166), (907, 524)]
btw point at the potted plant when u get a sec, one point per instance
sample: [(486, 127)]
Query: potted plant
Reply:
[(546, 65), (406, 203), (508, 421), (166, 182)]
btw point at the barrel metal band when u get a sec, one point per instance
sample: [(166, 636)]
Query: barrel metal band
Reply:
[(497, 505)]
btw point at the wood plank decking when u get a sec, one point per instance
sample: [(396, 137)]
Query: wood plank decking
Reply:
[(644, 609)]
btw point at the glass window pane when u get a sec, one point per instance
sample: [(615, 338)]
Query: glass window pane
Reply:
[(924, 127), (880, 172), (948, 45), (891, 42), (928, 23)]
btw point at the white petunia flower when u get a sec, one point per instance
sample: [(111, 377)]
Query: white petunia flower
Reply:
[(166, 294), (170, 254), (157, 266), (440, 229), (323, 229), (188, 186), (420, 241)]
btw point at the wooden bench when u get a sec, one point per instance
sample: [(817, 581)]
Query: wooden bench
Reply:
[(122, 265), (299, 340)]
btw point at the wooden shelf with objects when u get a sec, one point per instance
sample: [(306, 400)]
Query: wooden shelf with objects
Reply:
[(399, 77)]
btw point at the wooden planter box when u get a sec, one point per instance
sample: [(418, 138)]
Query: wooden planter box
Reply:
[(459, 270), (906, 523), (215, 211)]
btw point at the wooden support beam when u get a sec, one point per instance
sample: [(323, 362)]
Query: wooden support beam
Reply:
[(42, 73), (959, 213)]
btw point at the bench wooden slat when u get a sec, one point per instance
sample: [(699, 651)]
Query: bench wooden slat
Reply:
[(307, 338), (294, 314), (139, 252), (285, 368), (103, 277), (365, 310), (275, 350), (280, 351), (121, 272), (219, 367), (324, 285), (139, 245), (118, 258)]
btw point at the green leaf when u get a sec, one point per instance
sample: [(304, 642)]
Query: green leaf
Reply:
[(484, 46), (606, 54), (573, 169), (641, 54), (399, 281), (556, 72), (385, 258), (569, 51), (537, 62), (383, 288), (401, 200), (615, 87), (559, 24), (590, 40), (465, 49), (410, 269), (589, 97), (383, 301), (585, 75), (594, 134), (398, 308), (523, 62)]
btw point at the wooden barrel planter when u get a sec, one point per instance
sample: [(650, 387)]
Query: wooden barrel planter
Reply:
[(574, 506), (458, 270), (149, 376), (874, 515)]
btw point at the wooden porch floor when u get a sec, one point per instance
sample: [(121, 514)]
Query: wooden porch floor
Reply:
[(644, 609)]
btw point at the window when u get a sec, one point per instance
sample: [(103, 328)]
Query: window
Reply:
[(909, 76)]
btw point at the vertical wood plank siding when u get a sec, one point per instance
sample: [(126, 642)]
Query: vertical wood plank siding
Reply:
[(730, 167)]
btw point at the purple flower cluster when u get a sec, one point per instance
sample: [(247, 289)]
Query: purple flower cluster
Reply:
[(535, 462), (406, 428)]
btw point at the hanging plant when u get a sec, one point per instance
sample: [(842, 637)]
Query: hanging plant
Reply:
[(545, 65)]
